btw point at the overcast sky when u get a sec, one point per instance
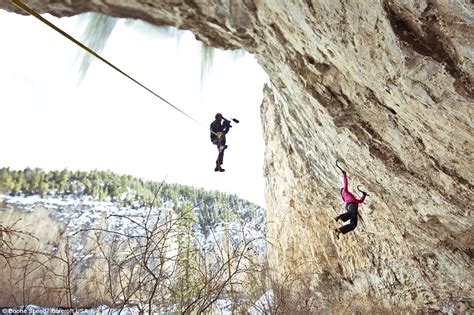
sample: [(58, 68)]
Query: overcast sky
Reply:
[(107, 122)]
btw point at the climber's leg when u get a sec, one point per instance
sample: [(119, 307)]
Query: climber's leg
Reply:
[(351, 215), (349, 227)]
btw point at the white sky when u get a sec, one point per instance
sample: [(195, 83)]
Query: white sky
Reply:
[(108, 122)]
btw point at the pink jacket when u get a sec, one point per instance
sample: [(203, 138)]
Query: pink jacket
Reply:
[(347, 197)]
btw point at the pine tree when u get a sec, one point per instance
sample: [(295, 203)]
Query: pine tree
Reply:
[(64, 177), (37, 179), (6, 181), (86, 184), (102, 195), (187, 281), (43, 188), (95, 188)]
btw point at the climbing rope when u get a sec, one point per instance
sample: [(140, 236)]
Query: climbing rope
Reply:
[(32, 12), (413, 257)]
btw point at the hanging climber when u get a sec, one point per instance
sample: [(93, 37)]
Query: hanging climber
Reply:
[(219, 128), (352, 204)]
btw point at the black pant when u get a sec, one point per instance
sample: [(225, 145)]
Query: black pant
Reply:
[(220, 157), (220, 148), (351, 214)]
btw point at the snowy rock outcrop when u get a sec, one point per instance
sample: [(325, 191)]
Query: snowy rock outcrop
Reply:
[(385, 87)]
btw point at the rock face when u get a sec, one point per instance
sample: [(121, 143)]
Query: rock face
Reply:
[(384, 86)]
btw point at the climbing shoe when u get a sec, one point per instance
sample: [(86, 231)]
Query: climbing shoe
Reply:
[(337, 233)]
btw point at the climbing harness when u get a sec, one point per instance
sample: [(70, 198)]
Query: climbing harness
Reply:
[(219, 137)]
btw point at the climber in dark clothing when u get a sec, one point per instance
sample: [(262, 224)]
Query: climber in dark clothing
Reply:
[(351, 213), (219, 128)]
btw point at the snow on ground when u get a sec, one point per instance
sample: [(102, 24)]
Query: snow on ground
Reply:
[(263, 304), (77, 214), (85, 213)]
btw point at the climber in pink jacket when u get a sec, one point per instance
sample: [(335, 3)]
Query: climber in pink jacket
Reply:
[(351, 209)]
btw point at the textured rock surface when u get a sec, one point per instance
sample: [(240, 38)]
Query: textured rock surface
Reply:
[(385, 87)]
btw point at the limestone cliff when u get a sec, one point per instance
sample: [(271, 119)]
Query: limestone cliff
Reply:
[(384, 86)]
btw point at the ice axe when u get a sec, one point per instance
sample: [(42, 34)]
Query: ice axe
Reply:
[(337, 164), (362, 192)]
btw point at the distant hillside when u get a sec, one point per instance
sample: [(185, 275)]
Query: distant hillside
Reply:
[(128, 191), (81, 240)]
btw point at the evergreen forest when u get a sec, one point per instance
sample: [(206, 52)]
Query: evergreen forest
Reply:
[(210, 207)]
